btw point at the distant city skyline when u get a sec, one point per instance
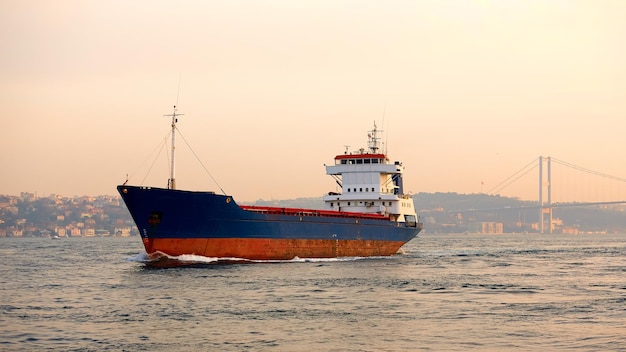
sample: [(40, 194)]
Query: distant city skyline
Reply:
[(466, 92)]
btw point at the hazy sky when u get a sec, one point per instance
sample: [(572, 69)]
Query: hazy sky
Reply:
[(470, 91)]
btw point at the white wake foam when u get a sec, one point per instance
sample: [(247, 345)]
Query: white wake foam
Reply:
[(143, 257)]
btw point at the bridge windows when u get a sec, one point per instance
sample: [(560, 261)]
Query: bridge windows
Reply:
[(358, 161)]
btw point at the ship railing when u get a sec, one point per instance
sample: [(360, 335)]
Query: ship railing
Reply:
[(311, 212)]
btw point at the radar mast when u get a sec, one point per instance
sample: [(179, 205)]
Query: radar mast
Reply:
[(373, 140)]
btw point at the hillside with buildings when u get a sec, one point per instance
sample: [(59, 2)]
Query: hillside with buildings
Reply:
[(28, 215), (482, 213), (54, 215)]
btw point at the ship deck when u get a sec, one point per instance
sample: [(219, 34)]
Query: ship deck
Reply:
[(312, 212)]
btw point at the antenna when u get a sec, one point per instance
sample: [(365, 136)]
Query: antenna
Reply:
[(171, 183), (386, 137), (384, 110)]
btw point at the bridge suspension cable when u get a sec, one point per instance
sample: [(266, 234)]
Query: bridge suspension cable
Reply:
[(516, 176), (596, 173)]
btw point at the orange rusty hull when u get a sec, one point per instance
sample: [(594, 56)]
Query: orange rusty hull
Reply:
[(269, 248)]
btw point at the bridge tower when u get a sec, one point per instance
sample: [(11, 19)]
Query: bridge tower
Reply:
[(545, 208)]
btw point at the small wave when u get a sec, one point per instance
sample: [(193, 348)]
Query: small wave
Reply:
[(338, 259), (201, 259), (160, 259), (144, 257), (139, 257)]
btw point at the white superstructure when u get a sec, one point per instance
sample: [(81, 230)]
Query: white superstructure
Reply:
[(370, 183)]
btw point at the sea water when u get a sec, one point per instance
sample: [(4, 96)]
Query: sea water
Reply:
[(451, 292)]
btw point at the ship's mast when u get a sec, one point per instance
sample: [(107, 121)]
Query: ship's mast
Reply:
[(171, 182), (373, 138)]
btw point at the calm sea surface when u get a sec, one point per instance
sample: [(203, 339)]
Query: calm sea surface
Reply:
[(445, 293)]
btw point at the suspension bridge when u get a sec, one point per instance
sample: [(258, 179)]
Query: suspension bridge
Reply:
[(563, 184)]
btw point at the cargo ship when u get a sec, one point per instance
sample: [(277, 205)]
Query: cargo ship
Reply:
[(367, 215)]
